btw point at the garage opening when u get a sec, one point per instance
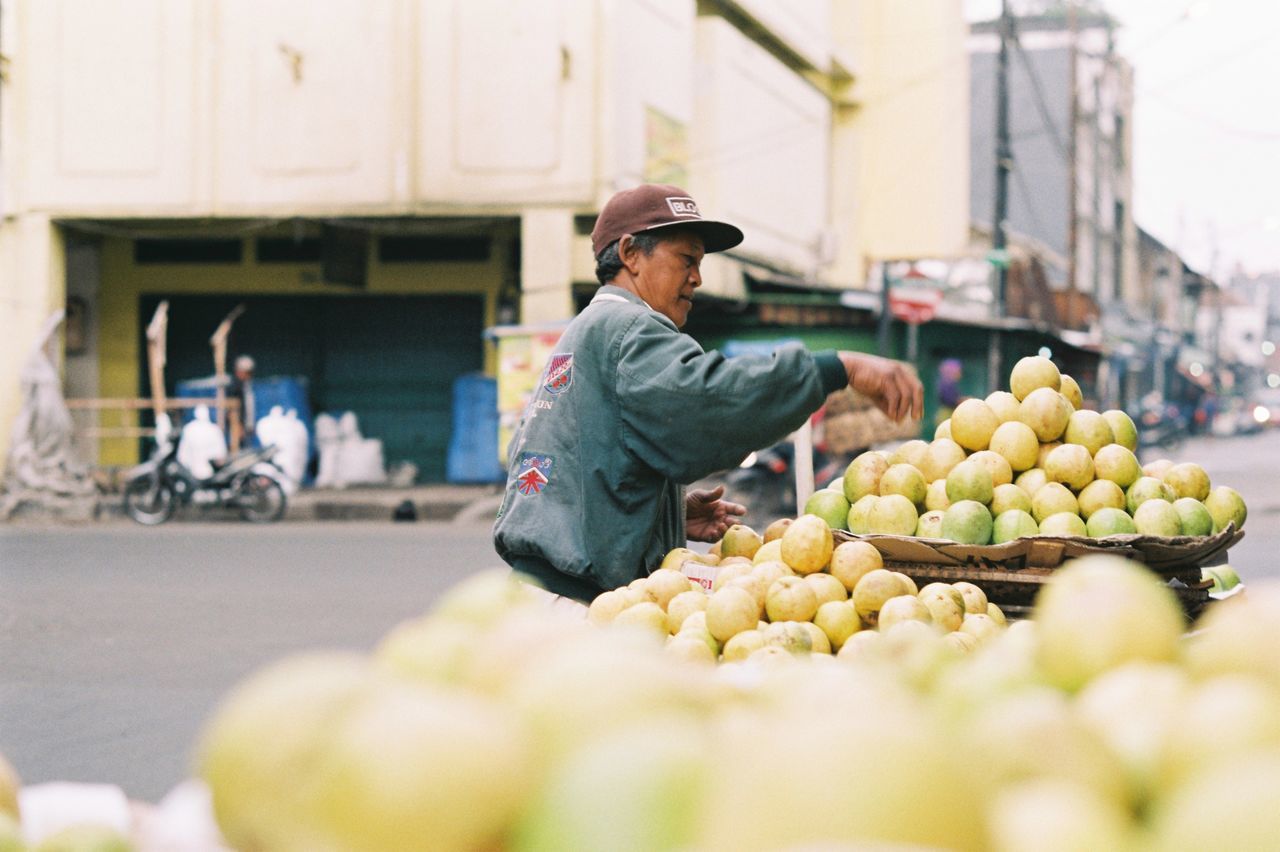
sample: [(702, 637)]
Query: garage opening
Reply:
[(391, 360)]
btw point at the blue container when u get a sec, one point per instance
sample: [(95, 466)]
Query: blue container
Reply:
[(473, 444)]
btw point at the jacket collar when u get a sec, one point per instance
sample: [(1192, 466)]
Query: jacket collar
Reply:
[(612, 292)]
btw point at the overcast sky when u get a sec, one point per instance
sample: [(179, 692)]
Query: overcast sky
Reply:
[(1206, 126)]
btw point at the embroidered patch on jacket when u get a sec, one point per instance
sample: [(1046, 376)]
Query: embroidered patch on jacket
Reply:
[(534, 473), (559, 373)]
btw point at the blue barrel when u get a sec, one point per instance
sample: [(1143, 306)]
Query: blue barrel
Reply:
[(202, 388), (473, 444)]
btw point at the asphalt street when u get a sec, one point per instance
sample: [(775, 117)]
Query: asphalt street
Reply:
[(1251, 465), (118, 641)]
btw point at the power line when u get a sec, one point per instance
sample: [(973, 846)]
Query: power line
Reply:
[(1045, 117), (1027, 202), (1224, 59), (1183, 16)]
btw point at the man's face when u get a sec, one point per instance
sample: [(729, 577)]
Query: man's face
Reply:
[(667, 278)]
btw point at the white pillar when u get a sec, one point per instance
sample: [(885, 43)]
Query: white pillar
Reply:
[(546, 265), (31, 287)]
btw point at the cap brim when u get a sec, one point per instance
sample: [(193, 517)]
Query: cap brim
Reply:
[(716, 236)]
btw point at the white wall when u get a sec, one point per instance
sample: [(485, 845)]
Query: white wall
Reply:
[(504, 102), (903, 164), (760, 148), (641, 84), (804, 28), (249, 107), (309, 110), (106, 105), (153, 108)]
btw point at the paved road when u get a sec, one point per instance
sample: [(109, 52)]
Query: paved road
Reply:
[(118, 641), (1251, 465)]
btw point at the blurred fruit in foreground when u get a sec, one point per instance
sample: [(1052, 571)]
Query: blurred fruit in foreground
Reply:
[(272, 727), (9, 786), (1100, 612), (87, 837)]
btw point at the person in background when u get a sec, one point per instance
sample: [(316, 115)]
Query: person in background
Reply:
[(949, 373), (241, 389), (629, 409)]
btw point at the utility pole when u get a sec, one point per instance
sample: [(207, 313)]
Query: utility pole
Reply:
[(1004, 162), (1072, 189), (886, 315), (1217, 309)]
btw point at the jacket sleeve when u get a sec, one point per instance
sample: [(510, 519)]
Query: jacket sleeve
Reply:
[(687, 413)]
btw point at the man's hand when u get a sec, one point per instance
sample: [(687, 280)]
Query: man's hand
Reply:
[(707, 517), (894, 388)]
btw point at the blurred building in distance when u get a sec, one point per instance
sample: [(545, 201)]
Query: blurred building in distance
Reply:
[(1100, 245)]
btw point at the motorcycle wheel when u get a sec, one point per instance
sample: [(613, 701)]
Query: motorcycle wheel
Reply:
[(262, 500), (149, 502)]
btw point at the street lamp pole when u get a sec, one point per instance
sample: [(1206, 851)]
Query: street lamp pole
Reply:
[(1004, 161), (886, 316)]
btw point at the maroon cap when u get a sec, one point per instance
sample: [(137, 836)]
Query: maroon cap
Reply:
[(652, 207)]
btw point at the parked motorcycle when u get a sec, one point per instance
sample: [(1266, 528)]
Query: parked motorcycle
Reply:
[(765, 481), (1160, 425), (765, 484), (248, 481)]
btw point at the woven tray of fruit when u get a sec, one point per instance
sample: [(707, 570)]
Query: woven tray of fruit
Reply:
[(1175, 556), (1015, 590), (1014, 485)]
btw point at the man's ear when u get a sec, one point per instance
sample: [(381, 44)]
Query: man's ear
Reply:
[(629, 254)]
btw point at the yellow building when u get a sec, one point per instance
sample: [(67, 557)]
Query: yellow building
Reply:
[(380, 182)]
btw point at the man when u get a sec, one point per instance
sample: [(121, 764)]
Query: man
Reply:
[(949, 373), (629, 408), (241, 389)]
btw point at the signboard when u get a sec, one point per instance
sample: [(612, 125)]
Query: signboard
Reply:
[(911, 312), (522, 356), (914, 298)]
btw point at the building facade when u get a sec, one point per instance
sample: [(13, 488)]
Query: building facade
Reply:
[(379, 183), (1071, 183)]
